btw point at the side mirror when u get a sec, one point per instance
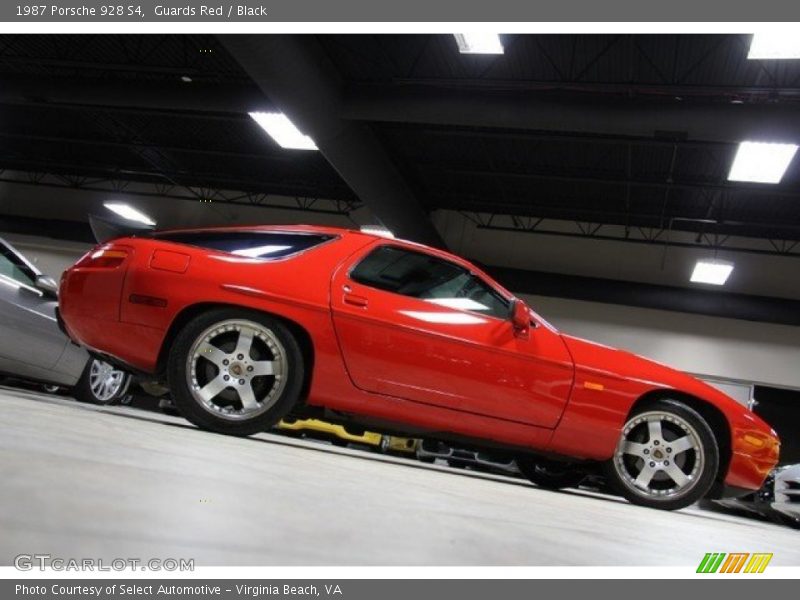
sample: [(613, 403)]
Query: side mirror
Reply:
[(521, 319), (47, 285)]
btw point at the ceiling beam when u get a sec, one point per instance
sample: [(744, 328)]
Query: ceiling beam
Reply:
[(295, 74), (707, 121), (112, 93), (543, 175)]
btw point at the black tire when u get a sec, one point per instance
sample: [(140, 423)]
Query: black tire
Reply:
[(663, 491), (426, 459), (289, 385), (549, 474), (83, 391)]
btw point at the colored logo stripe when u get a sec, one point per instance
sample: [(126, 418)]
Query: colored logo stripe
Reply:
[(734, 562), (711, 562), (714, 562), (758, 563)]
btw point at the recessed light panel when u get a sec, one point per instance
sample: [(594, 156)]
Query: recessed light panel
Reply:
[(761, 162), (283, 131), (128, 212), (714, 272), (479, 43), (775, 45)]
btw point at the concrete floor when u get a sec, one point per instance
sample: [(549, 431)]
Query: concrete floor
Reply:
[(83, 481)]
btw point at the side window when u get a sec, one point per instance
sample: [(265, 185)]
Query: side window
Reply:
[(428, 278), (13, 268)]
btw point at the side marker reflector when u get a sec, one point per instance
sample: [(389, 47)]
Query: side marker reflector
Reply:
[(148, 300)]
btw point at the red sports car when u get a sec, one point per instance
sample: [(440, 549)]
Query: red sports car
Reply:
[(249, 324)]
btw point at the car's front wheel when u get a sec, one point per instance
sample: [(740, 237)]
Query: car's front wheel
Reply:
[(101, 383), (667, 456), (235, 371)]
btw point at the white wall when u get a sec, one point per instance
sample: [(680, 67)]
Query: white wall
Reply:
[(718, 348), (715, 347), (710, 346), (756, 274)]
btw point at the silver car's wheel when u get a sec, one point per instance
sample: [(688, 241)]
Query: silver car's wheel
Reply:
[(666, 457), (105, 381), (101, 383), (236, 369)]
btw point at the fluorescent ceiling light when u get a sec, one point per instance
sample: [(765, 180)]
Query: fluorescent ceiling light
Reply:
[(377, 230), (715, 272), (479, 43), (128, 212), (761, 162), (283, 131), (260, 250), (773, 45)]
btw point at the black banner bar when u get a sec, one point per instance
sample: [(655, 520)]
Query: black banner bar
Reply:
[(409, 11)]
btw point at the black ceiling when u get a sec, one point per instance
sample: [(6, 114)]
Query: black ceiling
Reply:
[(117, 107)]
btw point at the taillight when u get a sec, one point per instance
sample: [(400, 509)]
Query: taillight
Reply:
[(103, 258)]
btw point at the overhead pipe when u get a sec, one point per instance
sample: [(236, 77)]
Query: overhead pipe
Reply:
[(680, 119)]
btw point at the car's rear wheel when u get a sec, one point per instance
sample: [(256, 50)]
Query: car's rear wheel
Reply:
[(549, 474), (235, 371), (101, 383), (667, 457)]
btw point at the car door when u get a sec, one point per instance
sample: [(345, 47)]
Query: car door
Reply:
[(417, 326), (32, 341)]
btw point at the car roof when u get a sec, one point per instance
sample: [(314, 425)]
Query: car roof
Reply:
[(343, 231), (287, 228)]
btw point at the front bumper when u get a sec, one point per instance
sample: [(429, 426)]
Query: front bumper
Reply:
[(61, 325), (755, 454)]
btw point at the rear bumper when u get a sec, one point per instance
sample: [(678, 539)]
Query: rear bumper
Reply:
[(130, 346)]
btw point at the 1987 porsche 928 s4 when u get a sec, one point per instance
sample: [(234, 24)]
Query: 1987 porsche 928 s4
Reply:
[(250, 324)]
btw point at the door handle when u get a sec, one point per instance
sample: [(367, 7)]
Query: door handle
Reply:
[(359, 301)]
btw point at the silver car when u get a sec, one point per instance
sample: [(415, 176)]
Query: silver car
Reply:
[(32, 346), (787, 493)]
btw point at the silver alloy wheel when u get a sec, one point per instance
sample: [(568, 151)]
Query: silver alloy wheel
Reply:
[(237, 369), (105, 381), (659, 455)]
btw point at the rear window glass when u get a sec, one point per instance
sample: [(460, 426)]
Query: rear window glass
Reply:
[(252, 244)]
